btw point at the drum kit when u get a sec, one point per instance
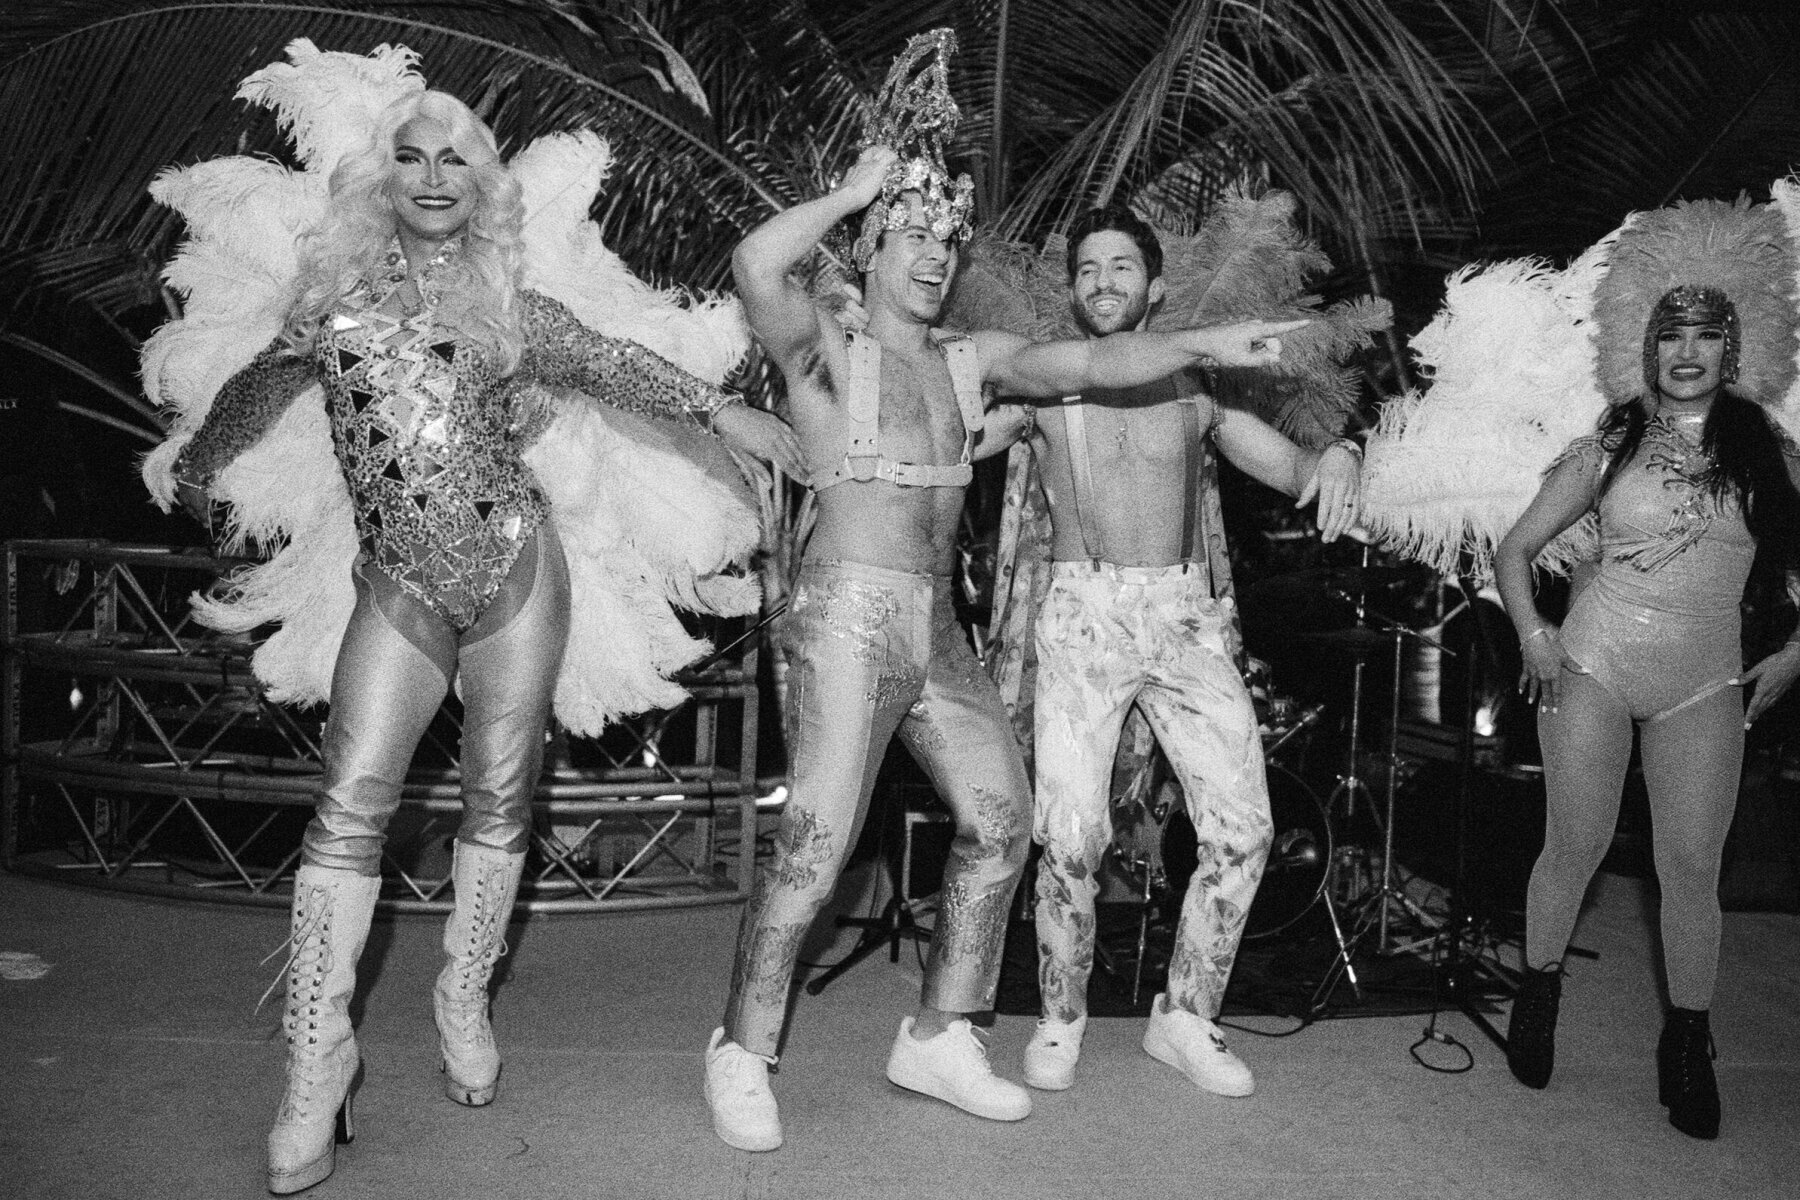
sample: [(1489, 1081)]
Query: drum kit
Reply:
[(1334, 854)]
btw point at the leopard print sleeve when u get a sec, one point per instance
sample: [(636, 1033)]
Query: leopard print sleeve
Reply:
[(562, 352), (246, 408)]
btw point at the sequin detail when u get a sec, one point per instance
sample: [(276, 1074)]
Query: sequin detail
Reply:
[(1687, 475), (803, 845), (426, 431)]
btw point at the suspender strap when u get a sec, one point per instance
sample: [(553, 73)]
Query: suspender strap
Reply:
[(1193, 452), (1081, 468)]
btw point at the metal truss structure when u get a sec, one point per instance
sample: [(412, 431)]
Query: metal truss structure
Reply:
[(141, 754)]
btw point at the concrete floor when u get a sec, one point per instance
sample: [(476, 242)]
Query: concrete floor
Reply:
[(135, 1067)]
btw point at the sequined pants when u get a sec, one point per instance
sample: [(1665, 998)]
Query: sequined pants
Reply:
[(871, 652), (1109, 637), (393, 670)]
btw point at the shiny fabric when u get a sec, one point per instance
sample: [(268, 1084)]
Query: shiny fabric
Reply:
[(872, 652), (396, 664), (1111, 637), (1656, 634), (1658, 626), (426, 430)]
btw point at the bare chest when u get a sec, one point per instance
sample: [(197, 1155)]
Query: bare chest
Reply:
[(1138, 441), (919, 417)]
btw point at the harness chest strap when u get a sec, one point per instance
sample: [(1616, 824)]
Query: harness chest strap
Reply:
[(862, 409)]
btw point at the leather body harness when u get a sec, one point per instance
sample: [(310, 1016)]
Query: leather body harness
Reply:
[(863, 459)]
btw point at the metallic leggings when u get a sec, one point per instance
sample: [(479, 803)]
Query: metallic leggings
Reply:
[(396, 664), (872, 652), (1109, 637)]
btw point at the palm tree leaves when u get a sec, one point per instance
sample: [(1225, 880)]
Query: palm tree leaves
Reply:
[(1681, 103), (96, 96)]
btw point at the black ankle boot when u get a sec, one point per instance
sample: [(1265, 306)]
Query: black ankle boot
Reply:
[(1531, 1033), (1684, 1072)]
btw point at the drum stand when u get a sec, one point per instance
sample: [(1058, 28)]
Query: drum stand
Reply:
[(1376, 907)]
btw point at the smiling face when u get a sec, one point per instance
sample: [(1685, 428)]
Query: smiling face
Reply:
[(1688, 361), (430, 185), (1111, 287), (912, 268)]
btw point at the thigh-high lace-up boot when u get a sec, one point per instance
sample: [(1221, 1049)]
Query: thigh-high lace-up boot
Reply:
[(330, 923), (486, 882)]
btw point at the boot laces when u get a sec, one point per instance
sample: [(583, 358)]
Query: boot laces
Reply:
[(472, 967), (309, 951)]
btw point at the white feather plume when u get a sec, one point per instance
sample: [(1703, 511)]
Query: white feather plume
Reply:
[(648, 517), (1511, 372), (1786, 195), (328, 101)]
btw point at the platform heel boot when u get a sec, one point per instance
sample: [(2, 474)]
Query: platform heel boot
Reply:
[(330, 923), (486, 881), (1531, 1031), (1686, 1084)]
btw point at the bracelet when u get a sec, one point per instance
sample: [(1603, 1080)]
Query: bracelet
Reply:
[(1347, 443), (1540, 631), (706, 415)]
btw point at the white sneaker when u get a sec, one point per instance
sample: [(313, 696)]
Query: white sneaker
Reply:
[(737, 1090), (1195, 1047), (1051, 1053), (953, 1066)]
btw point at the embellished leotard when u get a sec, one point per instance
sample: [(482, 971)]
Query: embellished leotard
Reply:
[(429, 435), (1658, 625)]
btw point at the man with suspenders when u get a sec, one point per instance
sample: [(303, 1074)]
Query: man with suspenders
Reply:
[(1139, 611), (889, 419)]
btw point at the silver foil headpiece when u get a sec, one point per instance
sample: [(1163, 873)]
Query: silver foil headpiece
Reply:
[(914, 115)]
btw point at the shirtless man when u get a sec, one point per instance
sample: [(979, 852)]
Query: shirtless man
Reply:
[(888, 420), (1139, 611)]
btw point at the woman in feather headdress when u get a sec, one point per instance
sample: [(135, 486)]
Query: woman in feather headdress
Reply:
[(1695, 328), (408, 311)]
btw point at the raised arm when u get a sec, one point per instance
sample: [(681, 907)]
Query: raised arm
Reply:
[(1567, 493), (1332, 475), (782, 314), (245, 409), (562, 352), (1048, 370)]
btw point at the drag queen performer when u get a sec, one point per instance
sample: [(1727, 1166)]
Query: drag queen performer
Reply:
[(1695, 324), (407, 309), (1674, 340)]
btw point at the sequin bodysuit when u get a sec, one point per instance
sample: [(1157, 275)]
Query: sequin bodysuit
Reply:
[(1658, 626), (429, 435)]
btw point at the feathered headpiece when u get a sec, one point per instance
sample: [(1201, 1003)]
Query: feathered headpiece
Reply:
[(914, 115), (1523, 359), (1728, 263)]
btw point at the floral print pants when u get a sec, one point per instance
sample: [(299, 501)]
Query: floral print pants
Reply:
[(1109, 637), (872, 652)]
